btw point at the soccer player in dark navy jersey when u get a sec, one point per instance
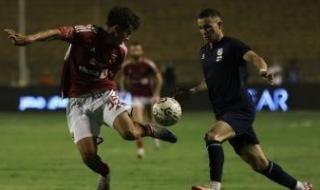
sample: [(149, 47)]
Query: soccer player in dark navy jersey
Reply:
[(221, 59)]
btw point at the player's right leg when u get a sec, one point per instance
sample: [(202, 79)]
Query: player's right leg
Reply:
[(116, 115), (214, 138), (148, 111), (137, 115)]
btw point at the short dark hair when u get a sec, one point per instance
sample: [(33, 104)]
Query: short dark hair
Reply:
[(208, 12), (124, 17)]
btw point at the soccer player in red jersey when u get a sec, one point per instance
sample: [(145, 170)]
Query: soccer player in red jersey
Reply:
[(142, 78), (94, 56)]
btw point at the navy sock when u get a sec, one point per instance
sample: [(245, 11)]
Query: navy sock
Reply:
[(216, 160), (277, 174)]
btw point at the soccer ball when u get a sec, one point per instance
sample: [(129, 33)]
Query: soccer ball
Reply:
[(167, 111)]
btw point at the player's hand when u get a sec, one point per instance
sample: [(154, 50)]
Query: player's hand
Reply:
[(268, 76), (155, 99), (182, 94), (17, 39)]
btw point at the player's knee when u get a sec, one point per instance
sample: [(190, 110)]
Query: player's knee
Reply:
[(212, 136), (259, 164), (129, 135)]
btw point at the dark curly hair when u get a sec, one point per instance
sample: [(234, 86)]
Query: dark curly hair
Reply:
[(124, 17)]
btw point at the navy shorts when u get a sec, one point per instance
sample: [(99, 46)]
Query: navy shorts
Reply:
[(241, 122)]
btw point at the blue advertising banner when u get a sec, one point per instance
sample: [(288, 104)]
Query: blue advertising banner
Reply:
[(266, 98)]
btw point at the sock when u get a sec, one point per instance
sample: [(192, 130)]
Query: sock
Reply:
[(299, 186), (139, 143), (140, 151), (277, 174), (157, 143), (103, 169), (215, 185), (98, 166), (216, 160)]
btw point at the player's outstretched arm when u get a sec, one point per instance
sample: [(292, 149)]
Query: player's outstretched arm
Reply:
[(157, 87), (23, 40), (260, 63), (183, 94)]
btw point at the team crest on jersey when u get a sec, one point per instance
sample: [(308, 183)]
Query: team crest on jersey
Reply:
[(203, 56), (219, 55)]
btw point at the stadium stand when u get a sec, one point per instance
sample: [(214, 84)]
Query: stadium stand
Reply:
[(277, 31)]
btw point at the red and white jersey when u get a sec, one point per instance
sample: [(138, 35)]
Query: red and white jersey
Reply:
[(139, 76), (90, 65)]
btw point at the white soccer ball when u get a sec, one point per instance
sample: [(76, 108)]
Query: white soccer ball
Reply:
[(167, 111)]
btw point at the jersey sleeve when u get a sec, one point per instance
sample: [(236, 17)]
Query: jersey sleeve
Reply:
[(78, 33), (153, 67), (240, 49)]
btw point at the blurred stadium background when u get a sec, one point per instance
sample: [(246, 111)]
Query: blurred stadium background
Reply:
[(37, 153)]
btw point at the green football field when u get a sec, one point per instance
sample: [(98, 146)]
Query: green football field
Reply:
[(36, 153)]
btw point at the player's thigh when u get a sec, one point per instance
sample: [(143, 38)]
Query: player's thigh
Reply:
[(138, 113), (254, 155), (81, 125), (113, 108), (220, 131), (124, 125), (87, 147)]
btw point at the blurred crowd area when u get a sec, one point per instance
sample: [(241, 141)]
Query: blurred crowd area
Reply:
[(285, 33)]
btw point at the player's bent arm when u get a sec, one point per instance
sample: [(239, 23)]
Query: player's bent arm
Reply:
[(200, 88), (260, 63), (22, 40), (256, 60), (158, 84), (184, 94)]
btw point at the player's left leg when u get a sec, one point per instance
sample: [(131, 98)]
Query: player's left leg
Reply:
[(255, 157)]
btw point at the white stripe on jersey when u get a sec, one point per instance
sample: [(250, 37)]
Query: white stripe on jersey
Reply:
[(66, 56), (85, 28), (125, 49)]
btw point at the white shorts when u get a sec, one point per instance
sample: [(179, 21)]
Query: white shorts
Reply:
[(141, 101), (86, 114)]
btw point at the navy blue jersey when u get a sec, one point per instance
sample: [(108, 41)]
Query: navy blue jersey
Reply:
[(221, 65)]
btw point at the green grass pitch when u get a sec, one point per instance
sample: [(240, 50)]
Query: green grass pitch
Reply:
[(36, 153)]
